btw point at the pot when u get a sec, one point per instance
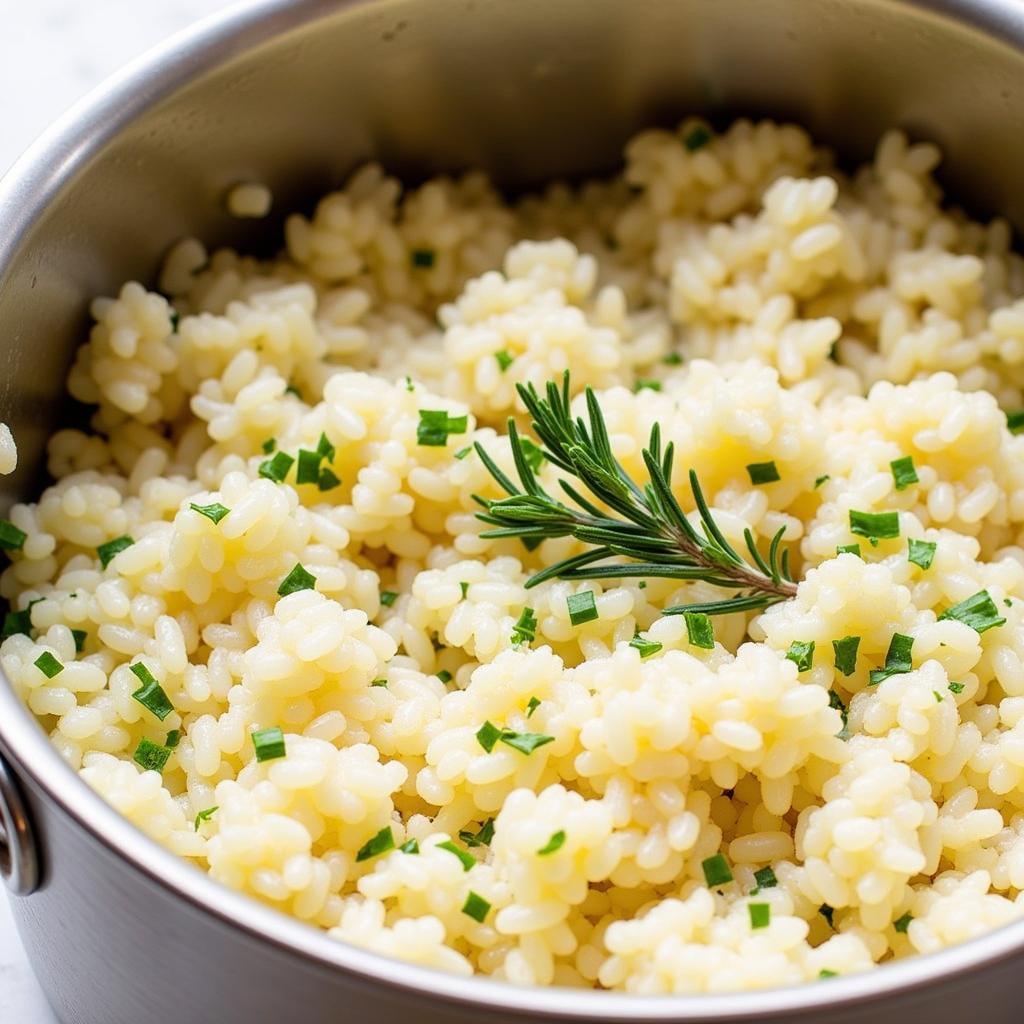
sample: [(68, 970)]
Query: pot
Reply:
[(294, 93)]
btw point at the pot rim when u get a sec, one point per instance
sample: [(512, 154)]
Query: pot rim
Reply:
[(26, 190)]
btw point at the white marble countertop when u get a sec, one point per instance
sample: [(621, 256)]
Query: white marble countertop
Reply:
[(51, 53)]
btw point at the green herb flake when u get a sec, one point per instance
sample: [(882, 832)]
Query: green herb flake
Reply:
[(11, 538), (901, 924), (388, 597), (765, 878), (482, 837), (875, 526), (824, 478), (760, 914), (150, 694), (921, 552), (410, 846), (699, 630), (276, 468), (716, 871), (696, 138), (409, 386), (383, 841), (525, 629), (829, 914), (436, 426), (268, 743), (903, 472), (291, 389), (327, 480), (205, 815), (937, 696), (464, 588), (17, 622), (897, 659), (463, 452), (672, 359), (826, 973), (269, 445), (308, 470), (445, 676), (955, 687), (848, 549), (801, 653), (298, 579), (836, 702), (487, 735), (524, 742), (325, 448), (173, 739), (48, 665), (467, 859), (112, 548), (977, 611), (763, 472), (215, 512), (532, 706), (80, 636), (846, 654), (379, 681), (423, 258), (1015, 421), (648, 384), (150, 756), (476, 907), (555, 843), (582, 607), (645, 647), (504, 360)]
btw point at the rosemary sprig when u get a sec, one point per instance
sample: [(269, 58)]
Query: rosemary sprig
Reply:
[(646, 523)]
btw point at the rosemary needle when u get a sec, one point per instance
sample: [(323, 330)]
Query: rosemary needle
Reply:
[(645, 524)]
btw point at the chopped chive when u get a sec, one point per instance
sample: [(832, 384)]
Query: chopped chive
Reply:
[(835, 701), (956, 687), (151, 695), (464, 587), (977, 611), (897, 659), (327, 480), (644, 383), (445, 676), (903, 472), (716, 871), (325, 448), (463, 452), (410, 846), (308, 469), (80, 636), (642, 585), (763, 472), (760, 914), (697, 138), (487, 735), (215, 512), (937, 696), (11, 538), (875, 526), (48, 665), (205, 815), (1015, 421), (532, 706), (388, 597), (383, 841), (113, 547), (276, 468), (17, 622), (379, 681), (504, 360), (525, 629), (524, 742), (482, 837), (268, 743), (699, 630), (555, 843), (476, 907), (902, 923), (582, 607), (645, 647), (436, 426), (829, 914), (824, 478), (298, 579), (826, 973), (409, 386), (846, 654), (921, 552), (801, 653), (848, 549), (672, 359), (173, 739), (467, 859), (765, 878), (150, 756), (291, 389), (269, 445), (422, 257)]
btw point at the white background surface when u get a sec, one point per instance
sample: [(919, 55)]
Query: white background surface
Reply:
[(51, 53)]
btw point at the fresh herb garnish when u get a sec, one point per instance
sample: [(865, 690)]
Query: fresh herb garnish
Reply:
[(846, 654), (308, 469), (150, 756), (801, 653), (436, 426), (532, 706), (848, 549), (79, 636), (11, 538), (1015, 421), (277, 467), (955, 687), (383, 841), (268, 743), (763, 472), (215, 512), (327, 480), (173, 739), (875, 526), (645, 647), (696, 138), (716, 871), (647, 383), (581, 607), (765, 878), (205, 815), (476, 907), (836, 702), (525, 629), (699, 630), (897, 659), (467, 860), (760, 914), (151, 695), (555, 843), (48, 665), (298, 579), (901, 924), (903, 472), (388, 597), (410, 846), (114, 547), (921, 552), (482, 837), (504, 360), (977, 611), (422, 257), (824, 478)]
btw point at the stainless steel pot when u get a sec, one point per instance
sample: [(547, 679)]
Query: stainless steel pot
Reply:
[(294, 93)]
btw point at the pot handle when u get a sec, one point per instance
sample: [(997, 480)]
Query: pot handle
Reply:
[(19, 864)]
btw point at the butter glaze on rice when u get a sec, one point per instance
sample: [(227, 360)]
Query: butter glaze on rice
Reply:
[(752, 257)]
